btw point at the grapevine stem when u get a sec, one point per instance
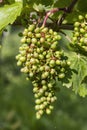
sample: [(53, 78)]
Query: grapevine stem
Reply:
[(48, 14), (65, 10), (68, 10), (51, 12)]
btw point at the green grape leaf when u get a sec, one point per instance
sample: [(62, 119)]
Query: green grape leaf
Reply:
[(79, 67), (83, 90), (39, 8), (61, 3), (82, 6), (11, 1), (9, 13)]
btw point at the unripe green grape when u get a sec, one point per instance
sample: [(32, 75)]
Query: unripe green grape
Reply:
[(23, 53), (28, 56), (54, 45), (82, 40), (63, 63), (43, 99), (25, 70), (83, 25), (46, 93), (58, 62), (37, 107), (38, 50), (76, 34), (50, 95), (23, 40), (80, 44), (42, 39), (57, 37), (85, 48), (76, 29), (85, 41), (45, 103), (20, 48), (25, 33), (34, 40), (52, 63), (39, 58), (37, 30), (52, 71), (37, 101), (82, 30), (85, 28), (44, 87), (31, 27), (50, 31), (31, 75), (48, 56), (81, 17), (55, 33), (42, 106), (47, 36), (36, 95), (35, 54), (49, 40), (18, 57), (25, 30), (41, 112), (74, 39), (50, 85), (19, 63), (68, 63), (32, 61), (85, 35), (35, 89), (44, 53), (51, 107), (22, 59), (47, 68), (45, 30), (41, 49), (41, 90), (76, 24), (44, 75), (86, 16), (48, 111), (34, 67), (53, 99), (37, 61), (62, 70), (43, 82), (30, 34), (48, 99), (38, 116), (35, 85), (41, 68), (61, 75), (38, 35)]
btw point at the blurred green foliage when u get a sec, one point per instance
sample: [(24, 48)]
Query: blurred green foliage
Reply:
[(17, 101)]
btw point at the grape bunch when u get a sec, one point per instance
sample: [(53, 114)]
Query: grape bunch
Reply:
[(44, 63), (79, 40)]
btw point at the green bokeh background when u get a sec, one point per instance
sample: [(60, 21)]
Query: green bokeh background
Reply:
[(17, 101)]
